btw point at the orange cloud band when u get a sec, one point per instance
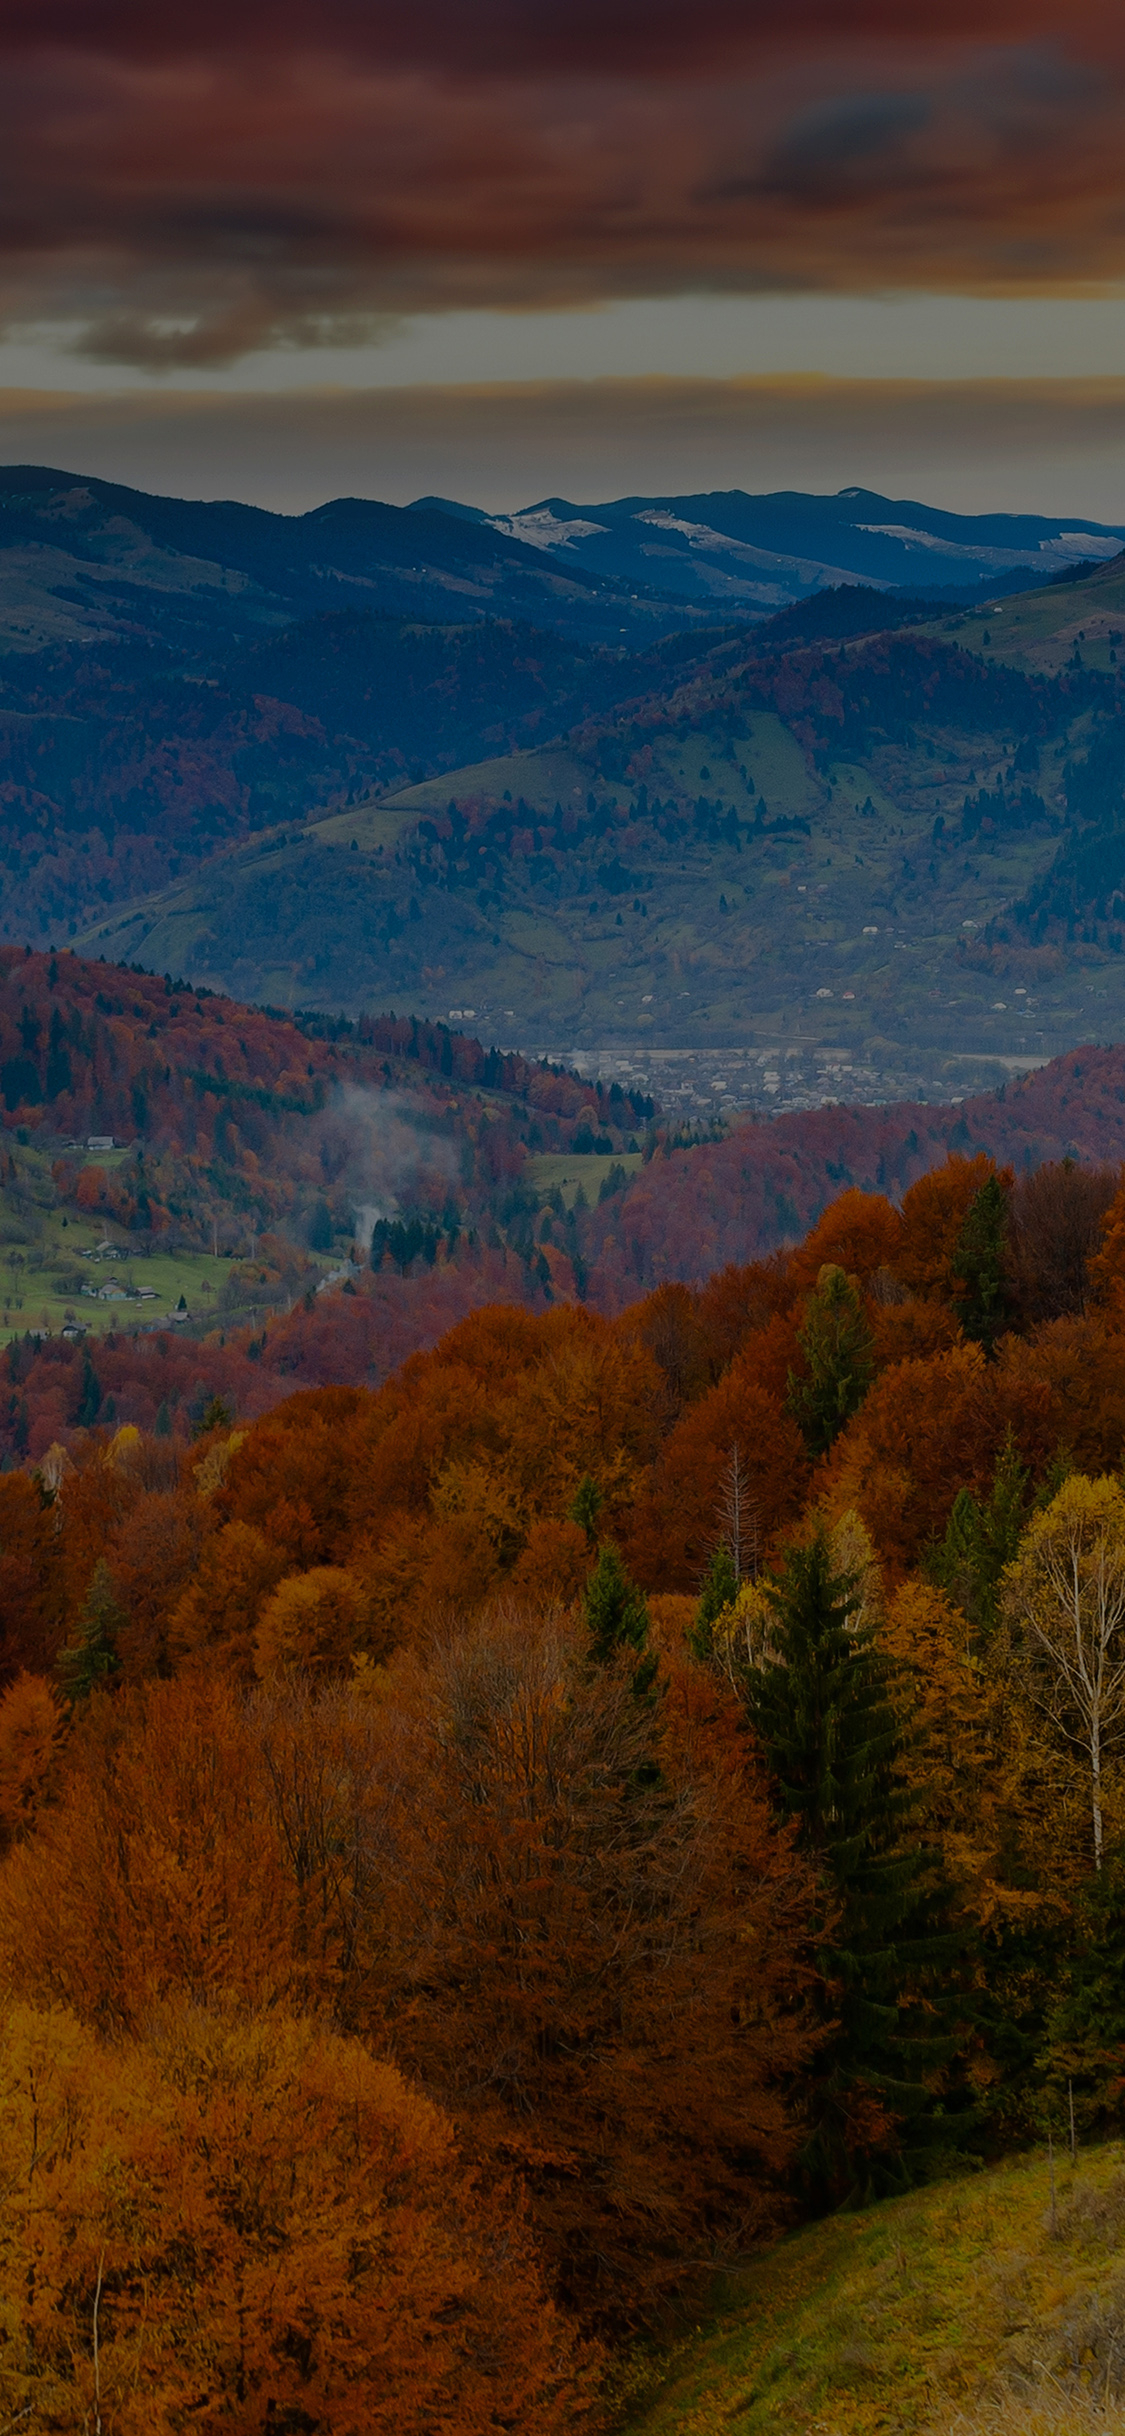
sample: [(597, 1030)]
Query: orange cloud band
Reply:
[(186, 185), (1053, 446)]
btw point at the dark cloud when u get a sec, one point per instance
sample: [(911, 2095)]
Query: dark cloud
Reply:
[(186, 184), (845, 141)]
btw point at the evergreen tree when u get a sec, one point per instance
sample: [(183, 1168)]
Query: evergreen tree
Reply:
[(89, 1396), (616, 1611), (719, 1589), (1086, 2030), (837, 1345), (162, 1426), (617, 1618), (980, 1263), (586, 1506), (91, 1658), (981, 1538), (822, 1710)]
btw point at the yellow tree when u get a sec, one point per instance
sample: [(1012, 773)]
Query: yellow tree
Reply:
[(1064, 1597)]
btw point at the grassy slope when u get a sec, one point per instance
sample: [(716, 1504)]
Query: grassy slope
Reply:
[(42, 1269), (903, 2316), (863, 905)]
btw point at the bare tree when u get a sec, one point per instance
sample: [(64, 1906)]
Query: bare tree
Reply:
[(1065, 1596), (738, 1516)]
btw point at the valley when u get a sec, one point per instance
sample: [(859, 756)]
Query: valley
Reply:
[(796, 866)]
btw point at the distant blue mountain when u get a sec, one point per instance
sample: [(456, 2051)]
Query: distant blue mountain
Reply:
[(742, 552), (80, 557)]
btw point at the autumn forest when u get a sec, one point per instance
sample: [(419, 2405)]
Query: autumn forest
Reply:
[(491, 1840)]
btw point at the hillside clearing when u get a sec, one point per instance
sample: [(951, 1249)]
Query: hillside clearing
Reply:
[(917, 2313)]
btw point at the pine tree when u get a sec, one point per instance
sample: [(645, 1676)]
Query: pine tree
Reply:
[(162, 1426), (823, 1713), (617, 1618), (837, 1345), (981, 1538), (719, 1589), (90, 1395), (616, 1611), (586, 1506), (1086, 2028), (980, 1263), (91, 1658)]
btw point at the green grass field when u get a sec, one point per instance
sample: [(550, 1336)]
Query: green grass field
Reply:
[(32, 1295), (924, 2313), (564, 1171)]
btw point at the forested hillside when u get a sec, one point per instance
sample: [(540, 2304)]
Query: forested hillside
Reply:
[(307, 1202), (893, 842), (480, 1853)]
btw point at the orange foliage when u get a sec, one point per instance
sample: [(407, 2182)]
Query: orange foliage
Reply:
[(927, 1429), (553, 1565), (291, 1475), (598, 1988), (31, 1729), (933, 1214), (216, 1617), (242, 2219), (859, 1233), (314, 1622), (1107, 1266), (910, 1331), (676, 1522), (1080, 1364), (90, 1190)]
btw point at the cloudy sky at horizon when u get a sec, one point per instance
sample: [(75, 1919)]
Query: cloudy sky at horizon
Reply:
[(535, 244)]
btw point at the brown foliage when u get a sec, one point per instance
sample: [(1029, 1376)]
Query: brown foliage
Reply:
[(31, 1733), (598, 1972), (1057, 1217), (676, 1522), (32, 1615), (927, 1429), (1080, 1364)]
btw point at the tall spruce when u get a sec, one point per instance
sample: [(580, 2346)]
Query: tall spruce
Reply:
[(982, 1535), (91, 1660), (980, 1264), (719, 1589), (823, 1712), (617, 1619), (839, 1361)]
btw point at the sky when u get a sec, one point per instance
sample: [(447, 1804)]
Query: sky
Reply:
[(525, 247)]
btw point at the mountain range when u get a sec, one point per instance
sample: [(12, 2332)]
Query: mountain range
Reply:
[(732, 549), (867, 846)]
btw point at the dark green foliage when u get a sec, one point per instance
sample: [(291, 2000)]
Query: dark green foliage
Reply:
[(320, 1228), (162, 1426), (616, 1611), (90, 1395), (836, 1342), (980, 1262), (822, 1710), (719, 1589), (91, 1658), (1086, 2031), (586, 1506), (981, 1537), (216, 1414)]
